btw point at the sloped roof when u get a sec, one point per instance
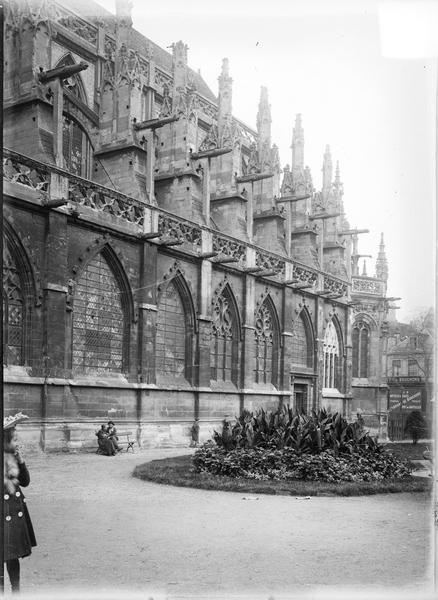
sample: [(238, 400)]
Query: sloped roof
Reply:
[(139, 42), (163, 59)]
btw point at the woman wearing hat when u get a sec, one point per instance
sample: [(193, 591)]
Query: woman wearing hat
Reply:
[(19, 537)]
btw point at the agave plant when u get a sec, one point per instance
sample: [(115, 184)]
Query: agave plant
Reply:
[(304, 434)]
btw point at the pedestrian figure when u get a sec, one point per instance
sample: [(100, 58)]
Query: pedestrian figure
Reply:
[(106, 445), (112, 434), (195, 433), (19, 537)]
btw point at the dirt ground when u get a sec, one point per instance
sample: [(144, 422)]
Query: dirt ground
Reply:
[(102, 533)]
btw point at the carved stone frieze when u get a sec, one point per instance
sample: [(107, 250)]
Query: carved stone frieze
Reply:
[(367, 286), (270, 262), (335, 286), (173, 228), (18, 169), (304, 275), (76, 25), (227, 247), (104, 200)]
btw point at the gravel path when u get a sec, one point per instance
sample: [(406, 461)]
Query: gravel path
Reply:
[(101, 530)]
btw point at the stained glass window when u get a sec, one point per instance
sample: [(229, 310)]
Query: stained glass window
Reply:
[(301, 344), (360, 339), (331, 356), (13, 311), (171, 333), (223, 349), (76, 148), (264, 346), (98, 321)]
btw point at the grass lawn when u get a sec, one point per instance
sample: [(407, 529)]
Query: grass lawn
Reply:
[(178, 471)]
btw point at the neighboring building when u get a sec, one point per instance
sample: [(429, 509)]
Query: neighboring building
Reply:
[(369, 330), (156, 269), (409, 367)]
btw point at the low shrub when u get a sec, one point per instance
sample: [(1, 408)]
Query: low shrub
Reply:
[(288, 464)]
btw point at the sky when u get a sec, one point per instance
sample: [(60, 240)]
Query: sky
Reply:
[(363, 76)]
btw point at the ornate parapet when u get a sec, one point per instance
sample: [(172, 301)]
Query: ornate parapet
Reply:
[(82, 192), (227, 247), (25, 171), (178, 229), (152, 222), (335, 286), (367, 285), (271, 263), (303, 275)]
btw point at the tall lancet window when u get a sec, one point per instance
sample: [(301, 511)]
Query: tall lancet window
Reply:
[(99, 325), (361, 334), (331, 356), (224, 340), (13, 311), (171, 333), (302, 342), (265, 352)]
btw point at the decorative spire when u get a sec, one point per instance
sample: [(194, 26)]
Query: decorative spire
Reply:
[(337, 174), (381, 262), (297, 145), (327, 171), (287, 184), (225, 101), (364, 269), (264, 113), (264, 129), (179, 65), (123, 21)]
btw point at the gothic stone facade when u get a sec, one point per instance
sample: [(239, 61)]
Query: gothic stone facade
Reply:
[(156, 269)]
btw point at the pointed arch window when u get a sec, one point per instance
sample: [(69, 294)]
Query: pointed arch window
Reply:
[(100, 327), (76, 146), (360, 338), (13, 311), (171, 340), (224, 346), (302, 346), (331, 356), (265, 352)]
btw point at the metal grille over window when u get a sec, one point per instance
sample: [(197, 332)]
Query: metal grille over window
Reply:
[(331, 356), (13, 311), (171, 333), (264, 345), (360, 349), (301, 347), (223, 341), (98, 324)]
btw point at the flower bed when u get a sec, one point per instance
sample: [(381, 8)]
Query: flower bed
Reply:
[(287, 464)]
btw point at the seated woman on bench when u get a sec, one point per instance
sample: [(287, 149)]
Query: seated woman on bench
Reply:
[(106, 444), (112, 434)]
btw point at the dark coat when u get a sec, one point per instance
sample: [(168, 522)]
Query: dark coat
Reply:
[(106, 445), (19, 537)]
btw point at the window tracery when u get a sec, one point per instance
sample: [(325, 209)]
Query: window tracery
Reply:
[(265, 346), (224, 340), (171, 333), (301, 343), (99, 324), (360, 339), (331, 356), (13, 311)]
